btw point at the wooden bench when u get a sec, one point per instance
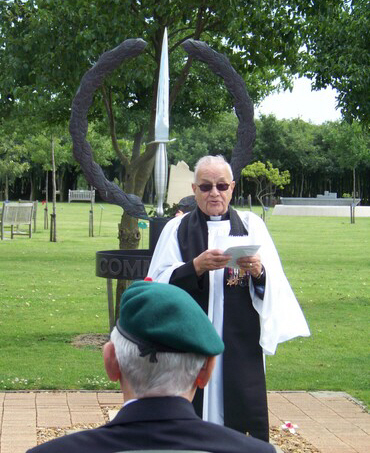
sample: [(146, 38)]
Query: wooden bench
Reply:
[(15, 214), (81, 195)]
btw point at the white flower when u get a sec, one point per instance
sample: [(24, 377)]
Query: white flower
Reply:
[(290, 427)]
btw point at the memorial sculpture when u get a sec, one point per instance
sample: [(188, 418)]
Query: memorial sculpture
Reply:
[(133, 264), (107, 63)]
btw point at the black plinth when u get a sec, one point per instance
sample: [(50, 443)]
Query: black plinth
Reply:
[(123, 264), (130, 264)]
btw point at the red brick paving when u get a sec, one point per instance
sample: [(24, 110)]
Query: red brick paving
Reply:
[(331, 421)]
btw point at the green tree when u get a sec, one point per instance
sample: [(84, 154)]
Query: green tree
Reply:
[(47, 149), (266, 178), (39, 149), (304, 156), (349, 147), (318, 157), (13, 163), (213, 137), (46, 47), (290, 144), (271, 141), (339, 49)]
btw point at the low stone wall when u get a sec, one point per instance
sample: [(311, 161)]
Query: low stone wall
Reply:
[(323, 211), (319, 201)]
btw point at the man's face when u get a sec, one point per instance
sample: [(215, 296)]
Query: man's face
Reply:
[(213, 202)]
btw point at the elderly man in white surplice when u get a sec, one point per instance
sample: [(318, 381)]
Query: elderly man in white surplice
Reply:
[(250, 303)]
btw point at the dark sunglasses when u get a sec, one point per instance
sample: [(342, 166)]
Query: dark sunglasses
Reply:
[(220, 186)]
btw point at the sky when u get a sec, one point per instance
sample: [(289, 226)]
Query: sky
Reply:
[(314, 106)]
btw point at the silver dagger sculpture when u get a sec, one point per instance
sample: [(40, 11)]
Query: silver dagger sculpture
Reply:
[(162, 125)]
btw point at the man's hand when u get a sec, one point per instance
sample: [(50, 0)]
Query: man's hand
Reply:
[(210, 260), (251, 264)]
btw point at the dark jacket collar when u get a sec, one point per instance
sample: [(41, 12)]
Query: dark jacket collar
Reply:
[(158, 408)]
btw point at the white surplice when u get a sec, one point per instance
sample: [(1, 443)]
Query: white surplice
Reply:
[(280, 315)]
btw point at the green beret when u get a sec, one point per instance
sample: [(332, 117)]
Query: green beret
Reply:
[(160, 317)]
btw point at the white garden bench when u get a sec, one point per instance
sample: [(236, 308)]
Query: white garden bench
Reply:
[(34, 213), (14, 215), (81, 195)]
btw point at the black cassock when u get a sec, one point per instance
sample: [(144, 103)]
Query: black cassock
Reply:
[(245, 399)]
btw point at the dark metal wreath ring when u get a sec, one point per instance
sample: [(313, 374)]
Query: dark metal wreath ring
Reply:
[(246, 133), (106, 64), (91, 81)]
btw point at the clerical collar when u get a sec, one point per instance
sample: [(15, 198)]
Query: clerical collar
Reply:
[(213, 218)]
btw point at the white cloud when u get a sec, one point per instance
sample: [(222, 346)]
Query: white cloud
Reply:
[(314, 106)]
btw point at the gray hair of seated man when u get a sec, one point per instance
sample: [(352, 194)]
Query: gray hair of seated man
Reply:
[(172, 375), (211, 160)]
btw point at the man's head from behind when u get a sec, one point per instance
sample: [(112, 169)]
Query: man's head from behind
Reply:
[(163, 344)]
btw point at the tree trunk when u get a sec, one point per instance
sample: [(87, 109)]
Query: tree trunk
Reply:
[(61, 185), (354, 196), (32, 188), (354, 184), (359, 187), (302, 184), (91, 215), (129, 239), (128, 230), (270, 194), (46, 216), (260, 200), (6, 192), (53, 223)]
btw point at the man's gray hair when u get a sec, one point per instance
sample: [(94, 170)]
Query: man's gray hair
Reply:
[(211, 160), (172, 375)]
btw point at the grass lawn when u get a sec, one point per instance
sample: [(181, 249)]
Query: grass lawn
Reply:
[(49, 294), (327, 261)]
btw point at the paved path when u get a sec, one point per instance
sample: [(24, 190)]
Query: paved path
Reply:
[(330, 421)]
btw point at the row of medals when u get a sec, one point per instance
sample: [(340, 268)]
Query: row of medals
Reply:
[(237, 277)]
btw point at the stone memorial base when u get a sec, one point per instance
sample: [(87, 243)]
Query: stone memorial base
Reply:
[(179, 185)]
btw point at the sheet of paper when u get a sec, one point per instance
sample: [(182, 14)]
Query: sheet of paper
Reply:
[(224, 242), (240, 251)]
